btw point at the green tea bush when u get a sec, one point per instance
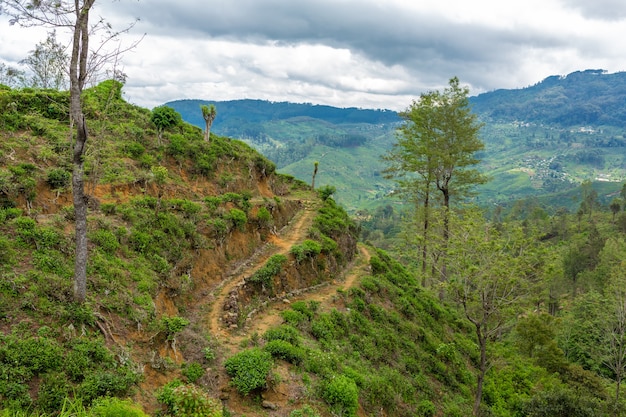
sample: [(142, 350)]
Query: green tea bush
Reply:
[(192, 371), (173, 325), (264, 217), (282, 349), (7, 254), (106, 240), (307, 249), (188, 401), (307, 309), (212, 203), (425, 408), (342, 394), (323, 327), (238, 218), (134, 149), (58, 178), (249, 369), (102, 383), (53, 390), (284, 332), (271, 268), (293, 317)]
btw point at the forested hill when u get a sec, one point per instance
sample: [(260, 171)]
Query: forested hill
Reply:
[(582, 98), (540, 140), (243, 116)]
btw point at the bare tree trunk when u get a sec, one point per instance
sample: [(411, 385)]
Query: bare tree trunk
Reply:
[(78, 75), (80, 213), (482, 370)]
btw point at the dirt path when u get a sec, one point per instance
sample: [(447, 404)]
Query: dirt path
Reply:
[(278, 244), (325, 295)]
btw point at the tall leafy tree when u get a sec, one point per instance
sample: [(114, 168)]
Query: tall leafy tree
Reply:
[(48, 64), (11, 76), (71, 15), (436, 153), (489, 274)]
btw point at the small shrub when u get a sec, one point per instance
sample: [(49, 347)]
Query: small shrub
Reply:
[(249, 369), (58, 178), (293, 317), (304, 308), (108, 208), (282, 349), (134, 149), (326, 191), (52, 392), (193, 371), (342, 394), (264, 217), (188, 401), (238, 218), (308, 249), (271, 268), (106, 240), (209, 354), (426, 408), (284, 332), (173, 325)]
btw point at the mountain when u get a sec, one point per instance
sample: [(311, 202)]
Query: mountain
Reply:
[(541, 141)]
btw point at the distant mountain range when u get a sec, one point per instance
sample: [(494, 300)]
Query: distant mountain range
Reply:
[(541, 141)]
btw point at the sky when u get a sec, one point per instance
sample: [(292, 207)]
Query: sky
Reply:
[(347, 53)]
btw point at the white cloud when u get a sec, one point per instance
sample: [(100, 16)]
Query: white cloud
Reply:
[(351, 52)]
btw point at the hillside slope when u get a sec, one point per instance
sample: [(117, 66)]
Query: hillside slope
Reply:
[(198, 252)]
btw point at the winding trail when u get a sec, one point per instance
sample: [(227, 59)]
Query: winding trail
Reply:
[(288, 236), (325, 295)]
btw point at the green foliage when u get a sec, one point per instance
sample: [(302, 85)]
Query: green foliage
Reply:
[(115, 407), (173, 325), (268, 271), (332, 219), (326, 191), (426, 408), (284, 332), (292, 317), (264, 217), (189, 400), (58, 178), (105, 239), (306, 411), (192, 371), (56, 371), (238, 218), (307, 249), (342, 394), (282, 349), (165, 117), (249, 369)]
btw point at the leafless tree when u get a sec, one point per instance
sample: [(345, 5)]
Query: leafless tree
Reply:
[(84, 64)]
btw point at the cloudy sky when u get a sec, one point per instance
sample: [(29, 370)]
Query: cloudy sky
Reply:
[(363, 53)]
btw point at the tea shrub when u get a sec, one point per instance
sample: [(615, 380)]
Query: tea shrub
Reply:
[(249, 369), (342, 394)]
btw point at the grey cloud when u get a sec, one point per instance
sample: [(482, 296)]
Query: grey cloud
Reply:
[(610, 10), (379, 32)]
